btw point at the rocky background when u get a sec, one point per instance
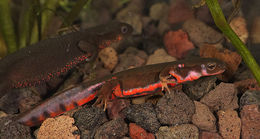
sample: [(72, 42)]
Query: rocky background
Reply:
[(226, 106)]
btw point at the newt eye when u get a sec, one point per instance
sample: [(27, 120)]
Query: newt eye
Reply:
[(211, 66), (124, 29)]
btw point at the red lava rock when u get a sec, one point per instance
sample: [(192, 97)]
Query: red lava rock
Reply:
[(136, 132), (223, 97), (232, 59), (250, 118), (248, 84), (179, 12), (113, 129), (177, 43), (175, 108), (203, 117), (229, 124), (209, 135), (200, 34), (143, 115), (115, 107)]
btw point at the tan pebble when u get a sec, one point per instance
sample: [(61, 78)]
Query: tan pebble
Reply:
[(255, 30), (229, 124), (160, 56), (58, 128), (109, 57), (238, 24)]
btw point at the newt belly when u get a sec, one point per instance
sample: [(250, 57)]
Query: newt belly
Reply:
[(49, 58), (130, 83)]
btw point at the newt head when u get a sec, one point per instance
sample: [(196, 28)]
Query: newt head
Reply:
[(113, 32), (190, 70)]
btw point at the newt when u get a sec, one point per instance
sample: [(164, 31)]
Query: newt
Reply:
[(129, 83), (52, 57)]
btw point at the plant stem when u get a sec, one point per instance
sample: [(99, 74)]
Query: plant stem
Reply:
[(7, 27), (222, 24)]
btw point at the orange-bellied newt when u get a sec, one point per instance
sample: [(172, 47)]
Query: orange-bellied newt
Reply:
[(130, 83), (49, 58)]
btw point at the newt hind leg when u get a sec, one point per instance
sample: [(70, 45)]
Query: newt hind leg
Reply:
[(106, 93)]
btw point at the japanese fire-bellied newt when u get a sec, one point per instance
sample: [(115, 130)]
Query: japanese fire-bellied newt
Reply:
[(130, 83), (46, 59)]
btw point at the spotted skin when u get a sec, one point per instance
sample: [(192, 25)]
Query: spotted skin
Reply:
[(47, 59)]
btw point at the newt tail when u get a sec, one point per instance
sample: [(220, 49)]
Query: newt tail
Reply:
[(62, 102)]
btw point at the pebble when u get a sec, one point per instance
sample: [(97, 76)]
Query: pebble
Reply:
[(159, 11), (2, 114), (137, 132), (163, 27), (89, 118), (179, 11), (9, 129), (255, 30), (159, 56), (115, 107), (113, 129), (200, 33), (131, 58), (109, 57), (16, 99), (238, 24), (204, 118), (202, 86), (184, 131), (223, 97), (250, 117), (250, 97), (143, 115), (59, 127), (204, 15), (229, 124), (177, 43), (175, 108), (248, 84), (209, 135)]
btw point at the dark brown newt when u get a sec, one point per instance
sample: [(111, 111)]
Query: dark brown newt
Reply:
[(49, 58), (130, 83)]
